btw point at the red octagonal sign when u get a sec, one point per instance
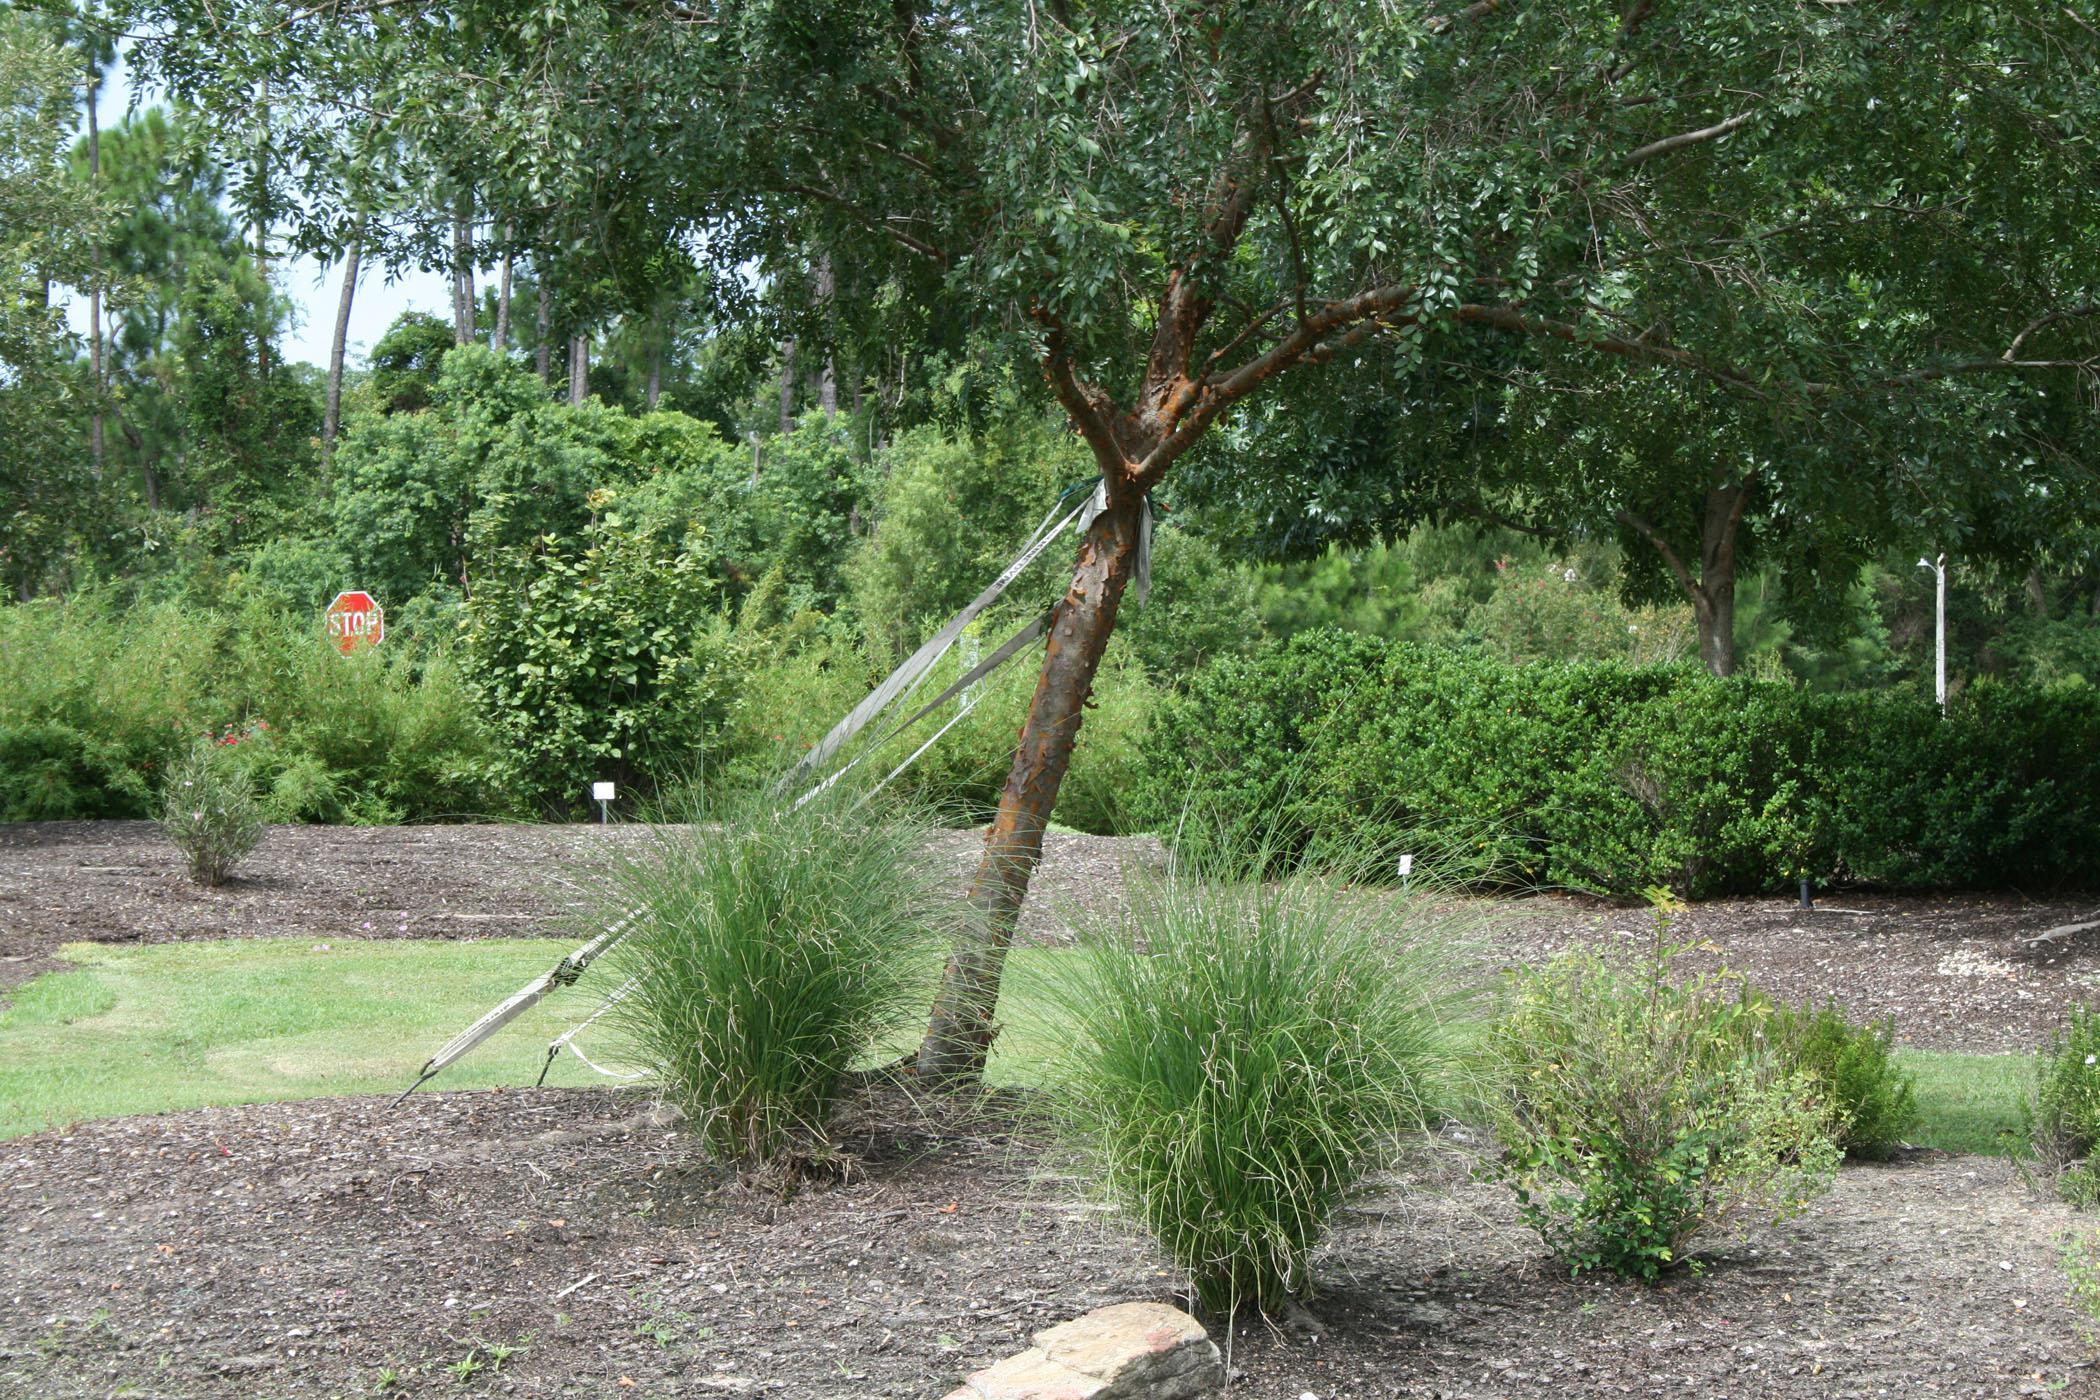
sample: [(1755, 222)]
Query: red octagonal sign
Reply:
[(355, 620)]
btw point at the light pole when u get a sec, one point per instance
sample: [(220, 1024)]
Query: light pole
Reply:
[(1939, 631)]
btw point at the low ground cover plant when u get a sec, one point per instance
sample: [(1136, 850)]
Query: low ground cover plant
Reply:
[(773, 947), (2063, 1113), (1244, 1053), (1636, 1114), (208, 808), (1872, 1100)]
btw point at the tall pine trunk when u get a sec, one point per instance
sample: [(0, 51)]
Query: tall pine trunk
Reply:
[(96, 444), (543, 352), (579, 370), (332, 409), (462, 273), (503, 298)]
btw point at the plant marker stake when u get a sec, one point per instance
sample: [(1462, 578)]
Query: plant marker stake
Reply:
[(602, 794), (1407, 868)]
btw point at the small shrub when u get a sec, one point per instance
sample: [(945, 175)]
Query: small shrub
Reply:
[(1243, 1058), (773, 946), (2081, 1259), (1634, 1117), (2063, 1114), (1873, 1103), (208, 809)]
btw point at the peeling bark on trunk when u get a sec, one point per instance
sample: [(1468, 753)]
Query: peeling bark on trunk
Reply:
[(579, 370), (332, 408), (961, 1028)]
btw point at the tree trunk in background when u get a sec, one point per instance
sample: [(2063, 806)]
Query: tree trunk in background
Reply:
[(503, 299), (1711, 591), (332, 404), (96, 445), (960, 1031), (462, 274), (787, 385), (543, 356), (262, 221), (655, 386), (579, 370), (827, 382)]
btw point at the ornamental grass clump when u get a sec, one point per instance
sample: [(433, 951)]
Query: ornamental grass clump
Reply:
[(1244, 1054), (1638, 1112), (208, 808), (773, 947)]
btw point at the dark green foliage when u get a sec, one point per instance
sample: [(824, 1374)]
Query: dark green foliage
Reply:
[(1872, 1101), (1636, 1114), (2063, 1116), (1244, 1054), (601, 662), (404, 364), (1611, 778), (772, 947), (54, 772)]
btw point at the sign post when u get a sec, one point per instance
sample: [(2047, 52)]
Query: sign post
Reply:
[(602, 794), (355, 620)]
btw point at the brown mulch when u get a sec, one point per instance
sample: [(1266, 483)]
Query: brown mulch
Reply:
[(1954, 971), (341, 1248)]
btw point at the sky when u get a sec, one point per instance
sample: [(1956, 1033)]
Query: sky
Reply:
[(313, 287)]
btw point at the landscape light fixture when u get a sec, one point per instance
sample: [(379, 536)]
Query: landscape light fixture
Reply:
[(1939, 632)]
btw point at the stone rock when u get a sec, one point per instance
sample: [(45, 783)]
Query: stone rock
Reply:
[(1132, 1351)]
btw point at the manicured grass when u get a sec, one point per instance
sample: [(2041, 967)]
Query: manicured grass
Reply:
[(1968, 1103), (187, 1025)]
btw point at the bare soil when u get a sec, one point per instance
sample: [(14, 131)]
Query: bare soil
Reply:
[(573, 1243), (342, 1248)]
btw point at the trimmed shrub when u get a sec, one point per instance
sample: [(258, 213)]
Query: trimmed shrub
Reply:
[(208, 809), (1244, 1056), (53, 772), (1635, 1116), (1613, 778), (1872, 1101), (773, 946), (2063, 1111)]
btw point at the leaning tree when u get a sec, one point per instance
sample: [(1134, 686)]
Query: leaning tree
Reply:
[(1184, 212)]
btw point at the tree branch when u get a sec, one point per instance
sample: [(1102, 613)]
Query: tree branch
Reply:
[(1653, 536), (1643, 154)]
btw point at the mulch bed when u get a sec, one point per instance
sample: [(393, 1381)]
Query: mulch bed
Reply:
[(316, 1249), (347, 1248)]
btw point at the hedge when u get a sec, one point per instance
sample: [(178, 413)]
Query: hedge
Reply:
[(1610, 778)]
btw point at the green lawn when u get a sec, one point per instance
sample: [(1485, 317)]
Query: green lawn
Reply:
[(184, 1025)]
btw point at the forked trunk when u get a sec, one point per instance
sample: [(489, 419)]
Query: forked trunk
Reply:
[(960, 1031)]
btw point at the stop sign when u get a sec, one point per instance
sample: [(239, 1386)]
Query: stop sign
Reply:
[(355, 620)]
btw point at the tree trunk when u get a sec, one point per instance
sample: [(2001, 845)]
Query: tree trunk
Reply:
[(332, 403), (579, 370), (787, 385), (262, 221), (503, 298), (961, 1028), (543, 356), (1711, 591), (96, 445), (462, 276), (656, 374)]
